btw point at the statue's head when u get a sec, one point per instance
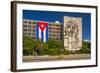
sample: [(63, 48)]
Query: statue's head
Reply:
[(71, 28)]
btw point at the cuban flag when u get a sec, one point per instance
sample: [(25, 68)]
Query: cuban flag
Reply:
[(42, 31)]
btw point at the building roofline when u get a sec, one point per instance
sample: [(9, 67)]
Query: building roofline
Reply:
[(41, 21)]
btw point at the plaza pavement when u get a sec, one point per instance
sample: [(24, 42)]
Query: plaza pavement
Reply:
[(56, 58)]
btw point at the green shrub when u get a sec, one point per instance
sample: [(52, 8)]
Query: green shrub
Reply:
[(85, 50), (54, 51), (85, 47)]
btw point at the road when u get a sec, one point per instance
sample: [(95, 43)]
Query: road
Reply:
[(55, 58)]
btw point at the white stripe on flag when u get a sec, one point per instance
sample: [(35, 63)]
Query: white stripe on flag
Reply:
[(39, 33), (44, 35)]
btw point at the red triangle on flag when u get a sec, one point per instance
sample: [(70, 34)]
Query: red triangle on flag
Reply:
[(42, 25)]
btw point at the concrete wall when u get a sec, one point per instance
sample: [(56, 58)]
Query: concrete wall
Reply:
[(72, 33)]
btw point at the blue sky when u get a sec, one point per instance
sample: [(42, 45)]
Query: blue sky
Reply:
[(52, 16)]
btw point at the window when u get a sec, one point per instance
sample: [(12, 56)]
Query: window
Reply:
[(24, 21)]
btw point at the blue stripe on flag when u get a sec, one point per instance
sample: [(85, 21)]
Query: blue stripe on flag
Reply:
[(37, 31), (47, 33), (42, 36)]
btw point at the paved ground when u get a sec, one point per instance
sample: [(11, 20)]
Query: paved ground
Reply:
[(55, 58)]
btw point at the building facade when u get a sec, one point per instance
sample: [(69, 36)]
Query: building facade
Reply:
[(54, 29), (29, 28), (72, 33)]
